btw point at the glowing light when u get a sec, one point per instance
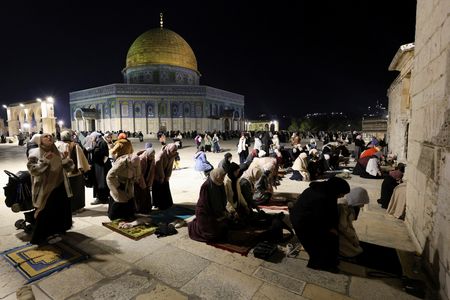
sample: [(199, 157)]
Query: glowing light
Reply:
[(38, 99), (21, 105), (50, 99), (61, 123), (4, 106)]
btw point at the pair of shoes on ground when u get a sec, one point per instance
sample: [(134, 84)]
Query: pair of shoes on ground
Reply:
[(53, 239), (179, 223), (98, 201)]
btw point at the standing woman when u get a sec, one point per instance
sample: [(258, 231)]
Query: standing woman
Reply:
[(50, 190), (143, 198), (162, 198), (76, 175)]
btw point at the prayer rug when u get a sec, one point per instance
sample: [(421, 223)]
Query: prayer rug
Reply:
[(241, 241), (171, 214), (378, 258), (35, 262), (135, 233)]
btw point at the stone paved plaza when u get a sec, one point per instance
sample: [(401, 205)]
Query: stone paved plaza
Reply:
[(177, 267)]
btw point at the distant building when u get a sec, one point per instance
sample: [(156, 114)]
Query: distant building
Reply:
[(31, 116), (374, 122), (374, 126), (262, 125), (161, 91)]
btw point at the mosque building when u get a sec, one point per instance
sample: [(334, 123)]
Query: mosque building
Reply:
[(161, 92)]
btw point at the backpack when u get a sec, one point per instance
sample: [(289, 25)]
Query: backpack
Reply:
[(18, 191)]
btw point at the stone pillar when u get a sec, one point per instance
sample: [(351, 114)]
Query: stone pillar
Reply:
[(49, 125), (13, 127)]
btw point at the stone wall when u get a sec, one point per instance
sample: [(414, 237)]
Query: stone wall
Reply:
[(428, 170), (399, 95)]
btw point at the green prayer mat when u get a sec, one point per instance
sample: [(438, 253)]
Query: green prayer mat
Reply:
[(135, 233)]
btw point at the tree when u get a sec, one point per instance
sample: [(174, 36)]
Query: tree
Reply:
[(294, 126)]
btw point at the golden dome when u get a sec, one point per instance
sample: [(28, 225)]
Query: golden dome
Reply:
[(161, 46)]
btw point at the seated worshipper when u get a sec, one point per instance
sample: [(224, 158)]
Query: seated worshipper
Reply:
[(233, 191), (300, 168), (143, 198), (348, 212), (370, 151), (50, 190), (362, 167), (343, 152), (373, 170), (268, 163), (315, 165), (314, 217), (125, 172), (263, 189), (397, 204), (75, 176), (211, 217), (201, 162), (225, 162), (247, 184), (162, 197), (389, 183)]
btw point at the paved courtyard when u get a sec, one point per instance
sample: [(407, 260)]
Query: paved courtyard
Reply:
[(177, 267)]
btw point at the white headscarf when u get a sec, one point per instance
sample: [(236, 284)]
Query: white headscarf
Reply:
[(36, 139), (357, 197)]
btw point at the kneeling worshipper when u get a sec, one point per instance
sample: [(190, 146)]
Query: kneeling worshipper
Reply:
[(263, 189), (50, 190), (300, 168), (397, 204), (211, 217), (389, 183), (314, 217), (125, 172), (348, 212)]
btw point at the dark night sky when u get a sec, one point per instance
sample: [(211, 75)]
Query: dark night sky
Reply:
[(285, 57)]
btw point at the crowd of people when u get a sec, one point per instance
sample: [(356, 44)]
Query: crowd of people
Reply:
[(132, 184)]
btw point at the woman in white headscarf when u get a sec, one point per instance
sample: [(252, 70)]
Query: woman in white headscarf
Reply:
[(300, 168), (348, 212), (50, 190)]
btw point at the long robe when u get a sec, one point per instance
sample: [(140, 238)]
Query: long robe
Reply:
[(209, 223), (313, 216), (387, 188)]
